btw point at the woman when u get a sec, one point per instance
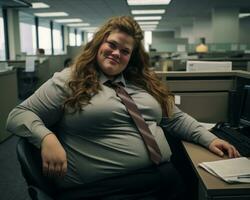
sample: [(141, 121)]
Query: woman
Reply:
[(95, 140)]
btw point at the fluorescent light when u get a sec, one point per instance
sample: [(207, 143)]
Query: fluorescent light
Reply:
[(148, 18), (78, 24), (150, 26), (89, 29), (147, 2), (72, 20), (51, 14), (148, 22), (141, 12), (242, 15), (40, 5)]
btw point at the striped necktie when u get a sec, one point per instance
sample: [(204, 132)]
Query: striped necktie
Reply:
[(148, 138)]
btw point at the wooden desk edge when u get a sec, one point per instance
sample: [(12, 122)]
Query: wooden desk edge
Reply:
[(212, 184)]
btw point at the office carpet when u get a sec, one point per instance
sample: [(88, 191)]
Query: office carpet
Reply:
[(12, 184)]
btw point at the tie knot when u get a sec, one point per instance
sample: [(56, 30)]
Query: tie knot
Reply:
[(111, 84)]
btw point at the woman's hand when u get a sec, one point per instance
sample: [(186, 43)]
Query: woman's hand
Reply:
[(219, 146), (53, 156)]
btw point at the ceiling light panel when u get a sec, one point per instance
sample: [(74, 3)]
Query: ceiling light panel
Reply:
[(78, 24), (90, 29), (39, 5), (149, 26), (148, 22), (147, 2), (242, 15), (51, 14), (72, 20), (148, 18), (142, 12)]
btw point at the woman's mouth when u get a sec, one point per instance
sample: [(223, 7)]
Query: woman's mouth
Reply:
[(113, 60)]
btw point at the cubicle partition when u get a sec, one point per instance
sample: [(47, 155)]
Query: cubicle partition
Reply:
[(56, 63), (208, 96), (9, 99)]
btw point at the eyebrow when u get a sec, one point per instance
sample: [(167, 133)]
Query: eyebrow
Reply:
[(111, 40)]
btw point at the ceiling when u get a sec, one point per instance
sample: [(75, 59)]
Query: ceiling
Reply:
[(178, 12)]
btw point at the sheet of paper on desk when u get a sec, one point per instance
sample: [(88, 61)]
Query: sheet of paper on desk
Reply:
[(234, 170), (30, 64)]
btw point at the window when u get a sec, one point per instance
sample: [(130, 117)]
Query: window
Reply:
[(27, 33), (44, 34), (89, 36), (2, 40), (72, 37), (79, 38), (147, 40), (57, 39)]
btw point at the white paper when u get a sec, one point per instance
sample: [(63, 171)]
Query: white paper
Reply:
[(230, 170), (30, 64), (177, 99)]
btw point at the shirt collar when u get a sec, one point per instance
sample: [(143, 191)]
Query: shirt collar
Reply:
[(120, 78)]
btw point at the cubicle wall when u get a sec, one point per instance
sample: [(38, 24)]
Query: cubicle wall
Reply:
[(8, 100), (73, 51), (55, 63), (208, 96)]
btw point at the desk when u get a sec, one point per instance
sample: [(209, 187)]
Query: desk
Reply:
[(211, 187)]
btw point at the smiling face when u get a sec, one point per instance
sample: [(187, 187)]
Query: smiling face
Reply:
[(114, 53)]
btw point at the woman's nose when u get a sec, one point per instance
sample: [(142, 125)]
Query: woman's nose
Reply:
[(116, 53)]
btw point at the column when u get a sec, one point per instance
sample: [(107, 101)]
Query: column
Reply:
[(225, 25), (66, 37), (13, 33), (202, 28), (187, 32)]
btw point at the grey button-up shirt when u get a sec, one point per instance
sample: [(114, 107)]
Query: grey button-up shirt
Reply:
[(101, 140)]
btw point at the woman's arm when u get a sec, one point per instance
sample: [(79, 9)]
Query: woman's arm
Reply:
[(185, 127), (34, 117)]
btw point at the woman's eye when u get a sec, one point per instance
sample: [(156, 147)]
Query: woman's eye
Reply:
[(112, 45), (125, 52)]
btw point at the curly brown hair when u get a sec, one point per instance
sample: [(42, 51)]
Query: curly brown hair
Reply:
[(84, 81)]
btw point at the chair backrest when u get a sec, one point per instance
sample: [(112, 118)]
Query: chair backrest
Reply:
[(40, 186), (31, 165)]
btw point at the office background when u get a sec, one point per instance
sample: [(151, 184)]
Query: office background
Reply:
[(224, 24), (170, 38)]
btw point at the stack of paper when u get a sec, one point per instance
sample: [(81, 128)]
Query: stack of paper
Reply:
[(235, 170)]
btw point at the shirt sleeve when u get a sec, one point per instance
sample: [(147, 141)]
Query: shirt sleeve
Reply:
[(33, 117), (185, 127)]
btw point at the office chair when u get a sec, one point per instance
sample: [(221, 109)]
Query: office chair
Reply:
[(41, 187)]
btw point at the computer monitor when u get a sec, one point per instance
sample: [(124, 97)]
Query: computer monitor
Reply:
[(208, 66), (245, 107)]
